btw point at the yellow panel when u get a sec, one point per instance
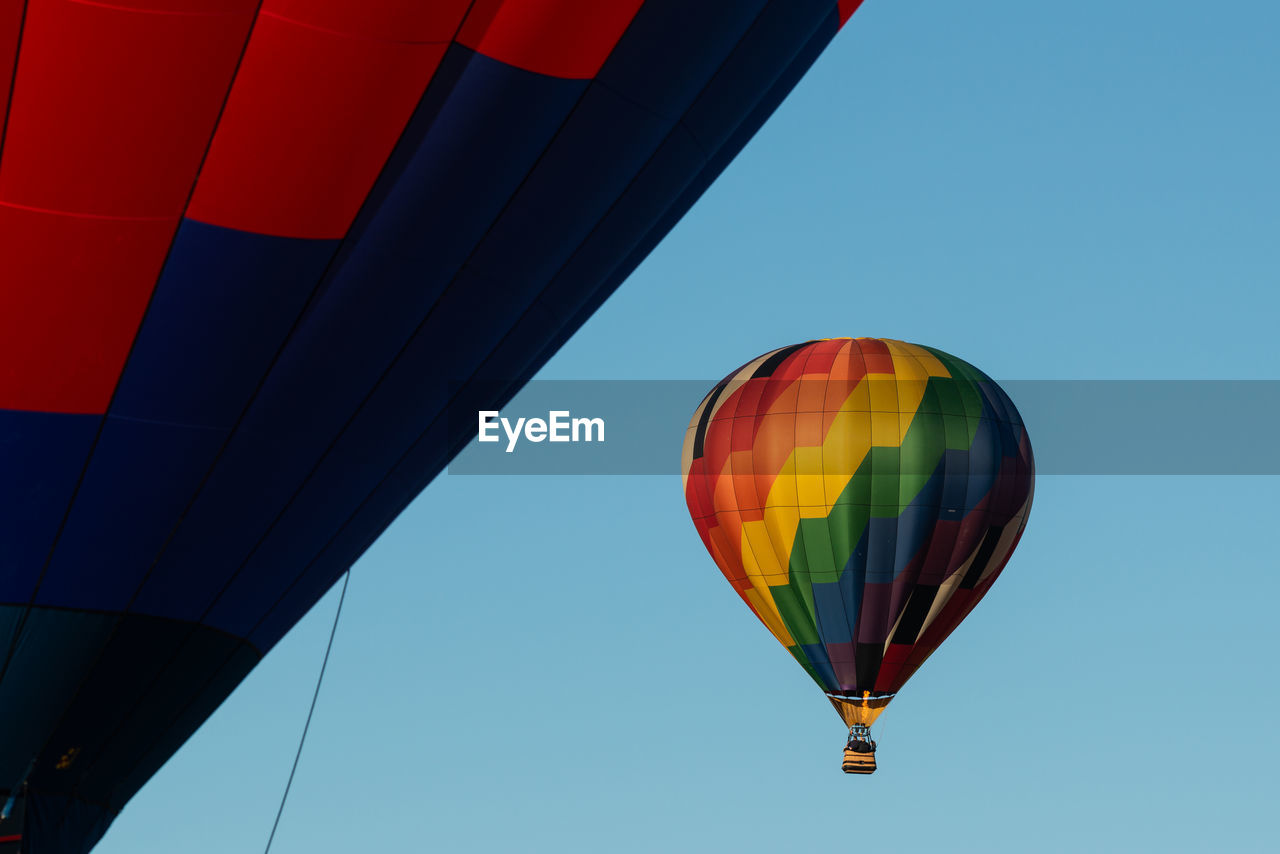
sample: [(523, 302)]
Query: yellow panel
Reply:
[(859, 400), (761, 549), (782, 492), (903, 352), (781, 524), (908, 369), (884, 392), (808, 466), (910, 393), (886, 431), (762, 601)]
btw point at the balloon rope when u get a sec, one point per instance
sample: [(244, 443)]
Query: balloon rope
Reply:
[(346, 579)]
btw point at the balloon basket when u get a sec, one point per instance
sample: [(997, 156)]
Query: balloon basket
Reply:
[(858, 763), (859, 752)]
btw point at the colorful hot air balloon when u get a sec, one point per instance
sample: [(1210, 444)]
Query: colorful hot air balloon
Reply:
[(861, 496), (252, 255)]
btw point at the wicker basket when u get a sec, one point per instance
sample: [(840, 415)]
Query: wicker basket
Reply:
[(859, 763)]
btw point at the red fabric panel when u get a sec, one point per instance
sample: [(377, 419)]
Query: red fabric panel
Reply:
[(847, 8), (72, 296), (113, 108), (877, 356), (891, 665), (384, 20), (207, 8), (315, 112), (10, 27), (559, 38)]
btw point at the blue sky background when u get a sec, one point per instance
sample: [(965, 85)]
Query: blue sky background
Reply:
[(1083, 190)]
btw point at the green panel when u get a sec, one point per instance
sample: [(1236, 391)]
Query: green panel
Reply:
[(796, 609), (925, 444), (930, 401), (950, 400), (957, 428), (885, 474), (846, 524), (812, 553), (966, 379)]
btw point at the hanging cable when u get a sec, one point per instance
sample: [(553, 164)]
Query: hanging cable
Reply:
[(346, 579)]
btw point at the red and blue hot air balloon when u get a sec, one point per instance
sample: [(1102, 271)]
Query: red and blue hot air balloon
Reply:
[(251, 256)]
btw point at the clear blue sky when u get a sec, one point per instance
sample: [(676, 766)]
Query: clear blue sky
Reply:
[(1083, 190)]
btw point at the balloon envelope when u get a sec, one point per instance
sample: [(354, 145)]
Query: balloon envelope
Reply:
[(861, 496), (252, 256)]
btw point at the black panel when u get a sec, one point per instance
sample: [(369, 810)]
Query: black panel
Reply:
[(771, 364), (983, 557), (700, 435), (914, 614), (867, 658)]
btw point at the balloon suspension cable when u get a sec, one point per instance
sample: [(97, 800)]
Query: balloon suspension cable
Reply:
[(860, 733), (315, 696)]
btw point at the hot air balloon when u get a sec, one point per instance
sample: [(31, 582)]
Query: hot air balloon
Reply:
[(253, 253), (861, 496)]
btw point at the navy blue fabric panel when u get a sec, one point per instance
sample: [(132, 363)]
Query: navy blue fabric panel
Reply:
[(33, 694), (645, 214), (768, 48), (57, 824), (479, 131), (482, 141), (148, 671), (138, 482), (597, 154), (418, 467), (388, 424), (142, 752), (672, 48), (640, 218), (594, 157), (222, 308), (717, 163), (41, 457), (321, 574), (255, 475), (615, 236)]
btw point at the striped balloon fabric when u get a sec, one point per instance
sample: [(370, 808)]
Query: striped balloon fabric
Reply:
[(861, 496)]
